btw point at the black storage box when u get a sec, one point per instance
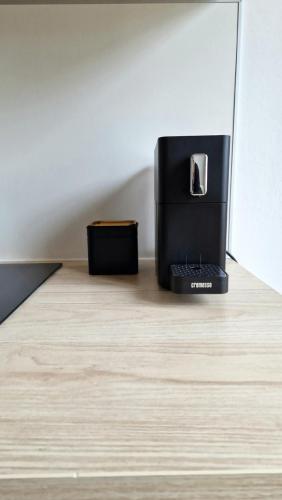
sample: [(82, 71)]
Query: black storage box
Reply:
[(112, 247)]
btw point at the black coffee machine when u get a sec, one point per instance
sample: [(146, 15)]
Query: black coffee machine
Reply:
[(191, 189)]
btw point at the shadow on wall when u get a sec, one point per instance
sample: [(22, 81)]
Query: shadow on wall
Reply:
[(80, 84), (132, 200), (127, 26)]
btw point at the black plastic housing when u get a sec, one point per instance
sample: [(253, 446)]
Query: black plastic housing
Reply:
[(204, 278), (190, 230)]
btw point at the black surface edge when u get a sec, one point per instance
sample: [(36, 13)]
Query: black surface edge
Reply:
[(56, 267)]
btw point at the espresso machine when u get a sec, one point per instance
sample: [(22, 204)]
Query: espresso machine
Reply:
[(191, 190)]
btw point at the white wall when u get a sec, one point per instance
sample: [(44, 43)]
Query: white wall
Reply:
[(84, 93), (256, 235)]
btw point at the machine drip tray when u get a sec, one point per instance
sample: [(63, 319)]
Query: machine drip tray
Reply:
[(196, 278)]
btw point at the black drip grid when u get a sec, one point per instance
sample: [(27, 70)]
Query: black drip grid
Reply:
[(197, 271)]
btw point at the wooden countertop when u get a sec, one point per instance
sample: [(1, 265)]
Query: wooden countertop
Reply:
[(111, 386)]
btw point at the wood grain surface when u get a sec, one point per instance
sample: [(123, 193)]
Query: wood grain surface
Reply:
[(58, 2), (232, 487), (111, 377)]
